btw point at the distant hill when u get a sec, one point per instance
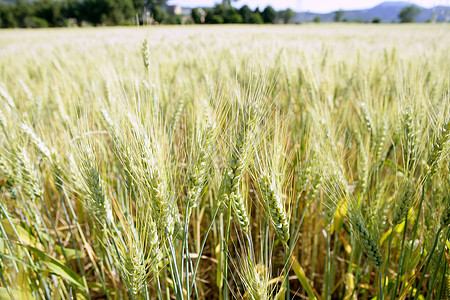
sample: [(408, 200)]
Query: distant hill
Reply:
[(386, 11)]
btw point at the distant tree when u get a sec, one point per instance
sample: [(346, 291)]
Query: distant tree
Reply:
[(43, 13), (35, 22), (227, 14), (7, 19), (139, 6), (256, 18), (159, 14), (286, 15), (376, 20), (21, 11), (154, 3), (408, 14), (245, 13), (227, 3), (208, 15), (317, 19), (96, 11), (47, 10), (220, 10), (123, 13), (338, 15), (196, 16), (233, 17), (269, 14), (72, 9), (175, 19), (216, 19)]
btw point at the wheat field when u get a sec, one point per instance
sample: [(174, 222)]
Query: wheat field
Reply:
[(225, 162)]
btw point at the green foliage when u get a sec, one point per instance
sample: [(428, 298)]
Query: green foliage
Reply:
[(196, 16), (234, 18), (158, 14), (35, 22), (408, 14), (208, 15), (256, 18), (286, 15), (376, 20), (222, 14), (216, 19), (175, 19), (56, 13), (139, 6), (7, 18), (268, 14), (338, 15), (49, 11), (246, 13), (109, 12), (71, 9), (220, 10)]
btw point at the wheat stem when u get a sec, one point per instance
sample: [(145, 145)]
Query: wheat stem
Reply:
[(201, 249), (436, 239)]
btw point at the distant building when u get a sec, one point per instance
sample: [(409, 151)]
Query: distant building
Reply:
[(202, 15), (174, 10), (186, 11)]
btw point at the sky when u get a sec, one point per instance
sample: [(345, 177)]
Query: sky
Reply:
[(307, 5)]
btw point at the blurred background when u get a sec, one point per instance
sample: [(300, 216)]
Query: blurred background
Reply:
[(71, 13)]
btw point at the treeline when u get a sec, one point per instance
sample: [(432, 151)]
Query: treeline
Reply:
[(62, 13), (227, 14), (59, 13)]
